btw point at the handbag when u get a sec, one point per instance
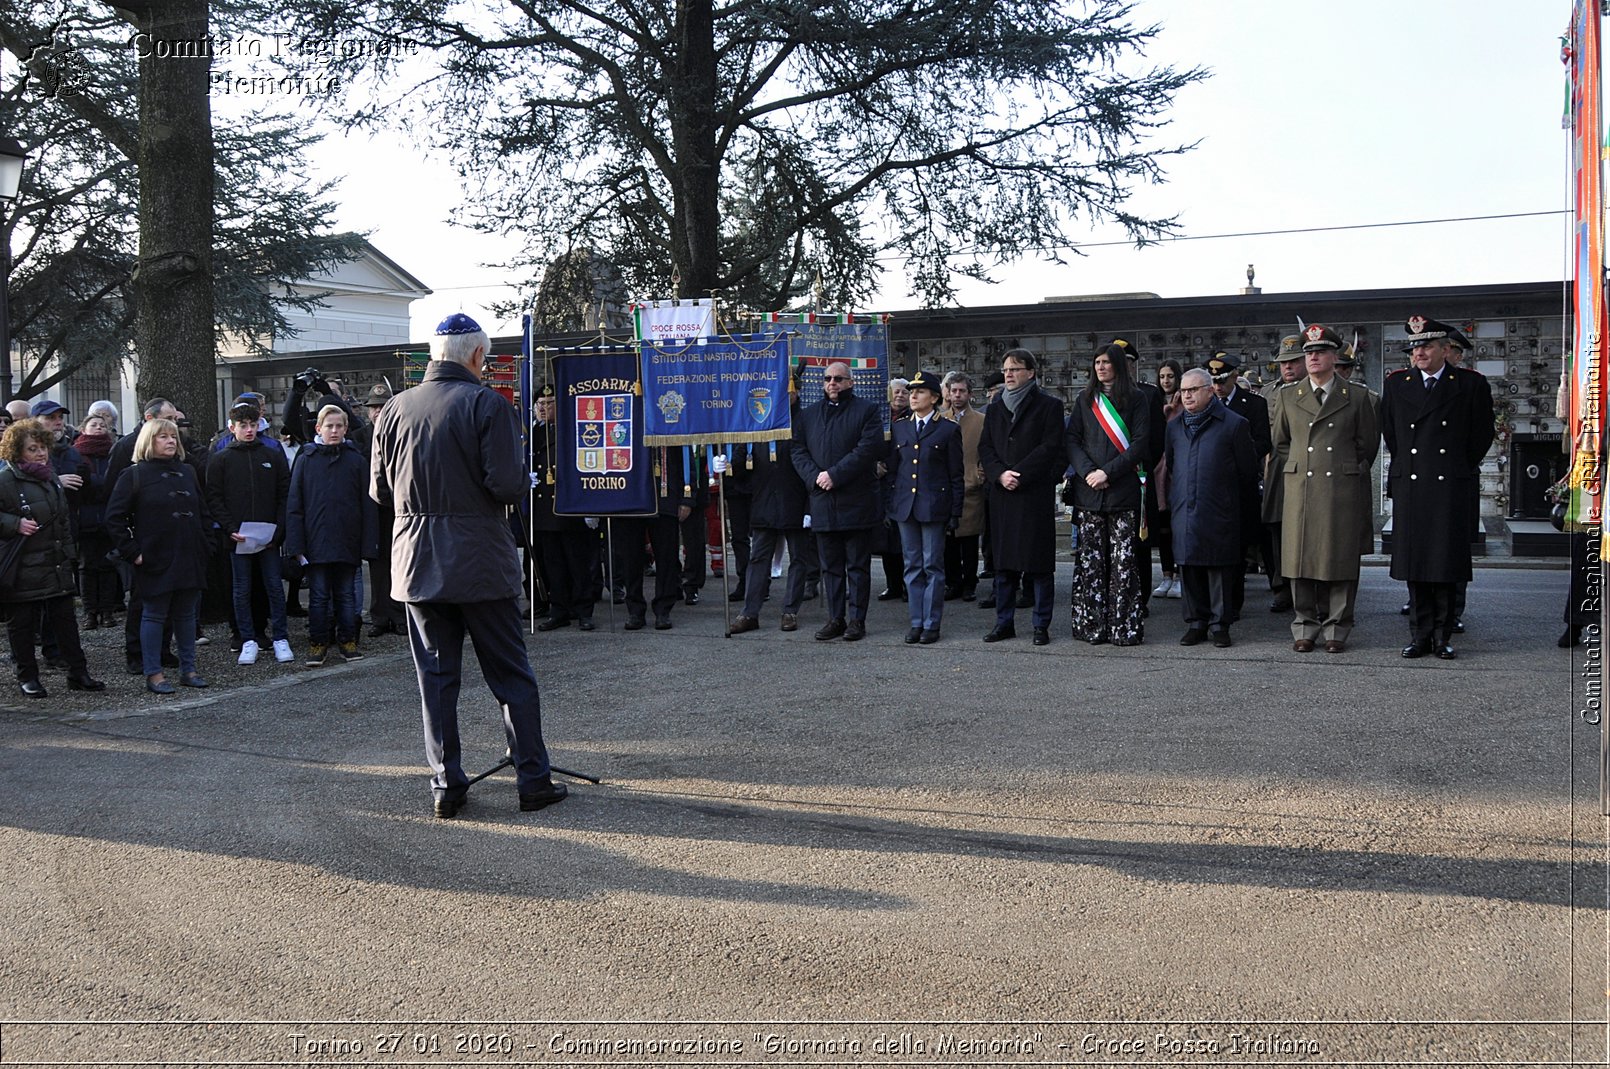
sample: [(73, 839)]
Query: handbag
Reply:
[(11, 554)]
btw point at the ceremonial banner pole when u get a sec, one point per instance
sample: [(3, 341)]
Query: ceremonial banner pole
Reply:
[(726, 552), (609, 570)]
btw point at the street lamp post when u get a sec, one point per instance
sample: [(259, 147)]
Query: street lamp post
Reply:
[(12, 158)]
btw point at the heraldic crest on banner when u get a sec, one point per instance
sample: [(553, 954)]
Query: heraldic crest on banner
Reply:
[(604, 433)]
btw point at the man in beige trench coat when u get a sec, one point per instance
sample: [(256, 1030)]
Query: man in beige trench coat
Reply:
[(1329, 435)]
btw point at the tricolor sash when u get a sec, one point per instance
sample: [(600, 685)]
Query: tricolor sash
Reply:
[(1117, 431)]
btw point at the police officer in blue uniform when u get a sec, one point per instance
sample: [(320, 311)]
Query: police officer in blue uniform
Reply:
[(928, 486)]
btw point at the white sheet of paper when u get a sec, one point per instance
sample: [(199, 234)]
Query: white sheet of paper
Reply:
[(258, 535)]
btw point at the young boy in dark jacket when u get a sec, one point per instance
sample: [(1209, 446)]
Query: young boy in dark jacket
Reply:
[(249, 481), (332, 525)]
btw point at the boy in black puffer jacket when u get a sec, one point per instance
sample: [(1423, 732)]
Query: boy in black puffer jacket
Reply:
[(249, 481)]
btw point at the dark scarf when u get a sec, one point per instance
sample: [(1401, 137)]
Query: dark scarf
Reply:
[(1194, 420), (93, 445), (43, 472)]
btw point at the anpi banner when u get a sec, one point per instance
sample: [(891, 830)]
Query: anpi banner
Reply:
[(733, 390), (602, 467)]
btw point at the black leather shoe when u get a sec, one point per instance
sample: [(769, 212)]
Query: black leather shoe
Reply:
[(1221, 639), (662, 623), (691, 598), (914, 636), (969, 595), (447, 806), (1416, 649), (586, 624), (1572, 637), (929, 637), (987, 602), (952, 593), (1405, 610), (56, 664), (554, 623), (634, 623), (1193, 637), (830, 630), (134, 668), (855, 631), (1025, 599), (812, 592), (376, 630), (1446, 653), (888, 594), (737, 595), (1458, 627), (76, 681), (1042, 636), (1281, 605), (1001, 632), (33, 688), (543, 797)]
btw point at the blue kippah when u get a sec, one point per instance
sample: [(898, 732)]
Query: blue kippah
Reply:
[(457, 323)]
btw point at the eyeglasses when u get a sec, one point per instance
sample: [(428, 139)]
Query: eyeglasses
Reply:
[(1194, 389), (835, 378)]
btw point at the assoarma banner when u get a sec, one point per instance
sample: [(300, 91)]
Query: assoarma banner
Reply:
[(603, 466), (734, 390)]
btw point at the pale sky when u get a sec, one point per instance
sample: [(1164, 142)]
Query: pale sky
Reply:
[(1318, 114)]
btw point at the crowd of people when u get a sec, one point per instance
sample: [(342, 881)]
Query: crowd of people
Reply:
[(1221, 479), (137, 527), (1218, 478)]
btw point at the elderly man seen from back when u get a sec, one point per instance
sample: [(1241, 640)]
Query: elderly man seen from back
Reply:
[(447, 459)]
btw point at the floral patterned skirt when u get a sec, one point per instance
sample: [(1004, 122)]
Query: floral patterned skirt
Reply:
[(1107, 579)]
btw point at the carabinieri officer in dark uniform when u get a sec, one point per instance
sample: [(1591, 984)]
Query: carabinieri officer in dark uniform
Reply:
[(1438, 423), (928, 486)]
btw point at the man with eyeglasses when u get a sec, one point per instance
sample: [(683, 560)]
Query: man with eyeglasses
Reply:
[(837, 443), (1438, 423), (1023, 457)]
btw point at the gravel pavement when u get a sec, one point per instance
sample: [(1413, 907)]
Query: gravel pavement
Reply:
[(830, 853)]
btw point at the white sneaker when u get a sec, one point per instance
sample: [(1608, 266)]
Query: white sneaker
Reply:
[(1175, 589), (248, 652), (282, 651), (1161, 589)]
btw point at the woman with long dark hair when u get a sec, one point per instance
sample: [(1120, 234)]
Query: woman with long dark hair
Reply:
[(33, 507), (1107, 438)]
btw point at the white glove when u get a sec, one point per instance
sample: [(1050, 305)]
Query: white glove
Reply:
[(533, 480), (592, 523), (807, 522), (718, 463)]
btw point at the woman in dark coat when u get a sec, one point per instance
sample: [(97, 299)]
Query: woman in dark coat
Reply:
[(102, 591), (1107, 438), (160, 522), (331, 525), (33, 507)]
